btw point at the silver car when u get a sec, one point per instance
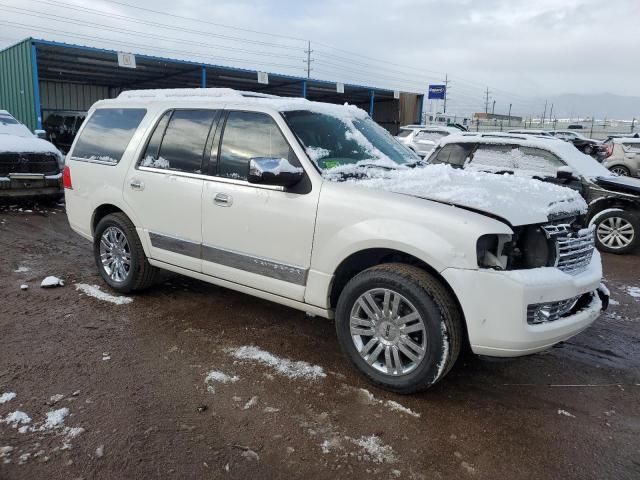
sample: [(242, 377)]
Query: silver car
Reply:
[(623, 156), (423, 138)]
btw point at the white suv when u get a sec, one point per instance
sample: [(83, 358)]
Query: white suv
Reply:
[(317, 207), (423, 138)]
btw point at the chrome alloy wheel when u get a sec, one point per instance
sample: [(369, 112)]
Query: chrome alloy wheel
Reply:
[(615, 232), (621, 171), (388, 331), (115, 254)]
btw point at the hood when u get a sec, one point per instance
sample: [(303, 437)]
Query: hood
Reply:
[(20, 144), (517, 200), (630, 186)]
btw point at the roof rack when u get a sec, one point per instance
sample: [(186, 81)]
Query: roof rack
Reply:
[(161, 94)]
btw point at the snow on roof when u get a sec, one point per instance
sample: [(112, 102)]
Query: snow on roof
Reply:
[(574, 158), (229, 95)]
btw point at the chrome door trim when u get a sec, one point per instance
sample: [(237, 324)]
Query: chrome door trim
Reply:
[(258, 265), (175, 245), (199, 176), (230, 258)]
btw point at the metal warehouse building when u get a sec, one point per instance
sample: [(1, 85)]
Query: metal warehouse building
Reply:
[(39, 77)]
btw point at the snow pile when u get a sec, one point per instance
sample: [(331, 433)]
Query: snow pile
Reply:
[(16, 418), (368, 398), (51, 282), (503, 195), (153, 162), (445, 351), (565, 413), (95, 292), (375, 450), (633, 291), (317, 153), (391, 405), (6, 397), (283, 366), (215, 376), (21, 269), (55, 418), (26, 144)]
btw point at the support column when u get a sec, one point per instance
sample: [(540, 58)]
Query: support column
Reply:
[(420, 107), (304, 89), (372, 96), (203, 77), (36, 87)]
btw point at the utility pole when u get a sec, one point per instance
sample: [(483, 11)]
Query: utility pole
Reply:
[(308, 52), (446, 91), (593, 118), (493, 108), (633, 124), (486, 101), (509, 114), (551, 115), (544, 115)]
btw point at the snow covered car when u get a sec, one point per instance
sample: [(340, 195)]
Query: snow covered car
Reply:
[(317, 207), (586, 145), (29, 166), (614, 202), (421, 139)]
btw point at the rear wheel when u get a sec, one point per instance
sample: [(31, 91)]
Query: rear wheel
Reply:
[(616, 231), (119, 255), (620, 170), (399, 326)]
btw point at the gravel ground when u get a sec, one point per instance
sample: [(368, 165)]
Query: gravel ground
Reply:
[(160, 387)]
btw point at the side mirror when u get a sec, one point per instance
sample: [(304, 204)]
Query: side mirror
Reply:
[(274, 171), (40, 134), (565, 173)]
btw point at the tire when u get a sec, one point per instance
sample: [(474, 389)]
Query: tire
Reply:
[(620, 222), (441, 335), (140, 273), (620, 170)]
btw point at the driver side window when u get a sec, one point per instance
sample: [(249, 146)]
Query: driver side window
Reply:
[(250, 135)]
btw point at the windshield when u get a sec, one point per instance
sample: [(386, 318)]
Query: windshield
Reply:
[(331, 141), (7, 119)]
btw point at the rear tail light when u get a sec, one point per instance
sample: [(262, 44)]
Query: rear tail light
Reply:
[(609, 149), (66, 178)]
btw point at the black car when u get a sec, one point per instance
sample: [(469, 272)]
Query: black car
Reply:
[(613, 201), (586, 145), (62, 127)]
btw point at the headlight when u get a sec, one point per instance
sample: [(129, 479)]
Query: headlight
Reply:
[(532, 249), (490, 251)]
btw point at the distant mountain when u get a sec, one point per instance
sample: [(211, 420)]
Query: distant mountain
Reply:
[(615, 107)]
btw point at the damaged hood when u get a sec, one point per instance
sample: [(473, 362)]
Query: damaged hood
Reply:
[(518, 200)]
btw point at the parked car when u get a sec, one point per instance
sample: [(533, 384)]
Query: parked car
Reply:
[(614, 202), (29, 166), (530, 131), (62, 127), (422, 138), (586, 145), (317, 207), (623, 156)]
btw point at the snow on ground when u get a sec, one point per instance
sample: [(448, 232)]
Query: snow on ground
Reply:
[(56, 398), (633, 291), (283, 366), (219, 377), (55, 418), (375, 450), (16, 418), (7, 396), (95, 292), (368, 397), (565, 413), (51, 281), (21, 269)]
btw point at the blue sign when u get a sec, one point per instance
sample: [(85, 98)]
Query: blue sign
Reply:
[(437, 92)]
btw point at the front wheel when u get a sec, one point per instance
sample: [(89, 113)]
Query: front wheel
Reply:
[(616, 231), (119, 255), (620, 171), (399, 326)]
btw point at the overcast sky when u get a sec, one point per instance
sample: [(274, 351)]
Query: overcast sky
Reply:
[(520, 49)]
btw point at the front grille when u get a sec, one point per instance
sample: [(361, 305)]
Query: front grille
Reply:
[(549, 312), (574, 247), (46, 163)]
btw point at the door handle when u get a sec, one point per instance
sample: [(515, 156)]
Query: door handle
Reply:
[(223, 200), (136, 184)]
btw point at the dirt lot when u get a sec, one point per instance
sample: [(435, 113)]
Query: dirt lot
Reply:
[(133, 378)]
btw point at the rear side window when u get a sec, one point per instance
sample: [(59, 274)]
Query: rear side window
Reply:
[(181, 140), (250, 135), (454, 154), (495, 157), (632, 147), (537, 160), (107, 133)]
